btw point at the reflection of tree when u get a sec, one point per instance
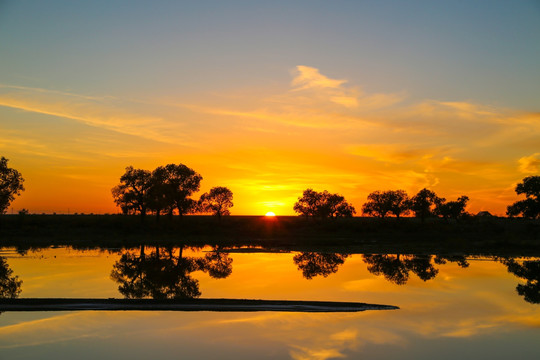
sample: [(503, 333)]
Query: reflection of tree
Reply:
[(422, 267), (396, 268), (459, 259), (166, 273), (314, 264), (528, 270), (10, 286), (392, 267)]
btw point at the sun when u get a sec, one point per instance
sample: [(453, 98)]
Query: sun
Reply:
[(270, 213)]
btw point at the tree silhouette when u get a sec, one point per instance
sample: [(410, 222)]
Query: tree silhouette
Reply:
[(164, 275), (10, 286), (530, 207), (528, 270), (181, 182), (11, 184), (451, 209), (162, 190), (160, 194), (323, 204), (133, 192), (381, 203), (313, 264), (423, 203), (217, 201)]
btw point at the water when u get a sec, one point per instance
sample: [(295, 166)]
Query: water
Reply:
[(467, 308)]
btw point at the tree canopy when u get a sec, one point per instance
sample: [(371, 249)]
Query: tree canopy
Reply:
[(323, 204), (423, 203), (11, 184), (217, 201), (132, 194), (452, 209), (530, 206), (163, 190), (381, 203)]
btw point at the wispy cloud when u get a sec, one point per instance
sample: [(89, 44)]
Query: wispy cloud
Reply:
[(103, 112), (308, 77), (530, 164)]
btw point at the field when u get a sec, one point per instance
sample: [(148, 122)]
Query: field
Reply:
[(473, 236)]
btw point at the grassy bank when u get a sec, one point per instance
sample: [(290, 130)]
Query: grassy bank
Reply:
[(408, 235)]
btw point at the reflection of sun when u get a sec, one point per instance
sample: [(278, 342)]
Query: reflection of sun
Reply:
[(270, 213)]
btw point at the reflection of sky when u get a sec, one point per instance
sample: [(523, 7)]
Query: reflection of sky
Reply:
[(473, 312)]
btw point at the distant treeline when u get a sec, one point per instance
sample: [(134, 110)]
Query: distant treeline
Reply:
[(168, 190), (422, 205), (381, 204)]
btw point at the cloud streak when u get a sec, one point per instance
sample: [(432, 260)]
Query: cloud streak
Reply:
[(103, 112)]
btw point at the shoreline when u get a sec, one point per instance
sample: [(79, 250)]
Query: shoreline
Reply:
[(221, 305)]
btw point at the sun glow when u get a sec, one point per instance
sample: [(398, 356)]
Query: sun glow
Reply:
[(270, 213)]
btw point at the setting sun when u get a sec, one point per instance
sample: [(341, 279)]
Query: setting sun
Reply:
[(270, 213)]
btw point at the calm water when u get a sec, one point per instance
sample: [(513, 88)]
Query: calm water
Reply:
[(457, 307)]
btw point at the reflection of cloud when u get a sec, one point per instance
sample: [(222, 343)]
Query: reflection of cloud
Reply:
[(43, 331), (471, 328), (530, 164)]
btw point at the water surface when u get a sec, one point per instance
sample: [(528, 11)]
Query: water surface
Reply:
[(449, 307)]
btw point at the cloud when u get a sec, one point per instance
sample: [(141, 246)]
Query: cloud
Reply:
[(391, 153), (318, 87), (530, 164), (103, 112), (309, 77)]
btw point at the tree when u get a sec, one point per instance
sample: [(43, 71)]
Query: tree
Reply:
[(11, 184), (132, 194), (530, 207), (218, 201), (335, 205), (160, 193), (423, 203), (323, 204), (381, 203), (452, 209), (182, 182)]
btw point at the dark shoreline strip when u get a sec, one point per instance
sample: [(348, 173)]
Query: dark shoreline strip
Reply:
[(240, 305)]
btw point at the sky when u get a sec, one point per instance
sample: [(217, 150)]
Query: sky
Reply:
[(271, 98)]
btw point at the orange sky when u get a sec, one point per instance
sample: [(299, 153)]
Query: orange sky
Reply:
[(269, 146), (347, 97)]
